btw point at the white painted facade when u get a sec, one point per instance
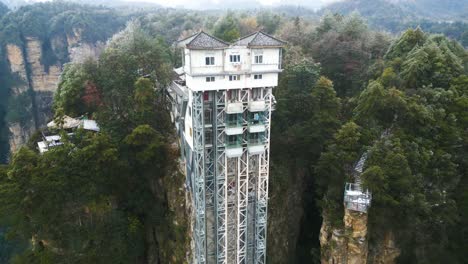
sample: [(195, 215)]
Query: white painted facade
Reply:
[(196, 70)]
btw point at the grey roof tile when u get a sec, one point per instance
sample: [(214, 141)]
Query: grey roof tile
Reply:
[(260, 39), (202, 40)]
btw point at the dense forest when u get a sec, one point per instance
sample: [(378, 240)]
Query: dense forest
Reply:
[(116, 196)]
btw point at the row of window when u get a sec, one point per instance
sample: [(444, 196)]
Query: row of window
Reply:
[(258, 59), (234, 94), (234, 78), (236, 140)]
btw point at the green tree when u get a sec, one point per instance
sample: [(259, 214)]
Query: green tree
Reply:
[(334, 168), (227, 28), (345, 48)]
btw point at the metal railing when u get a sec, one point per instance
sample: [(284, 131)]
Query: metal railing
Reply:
[(355, 199)]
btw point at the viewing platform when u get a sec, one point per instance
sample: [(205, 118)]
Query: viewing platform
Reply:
[(257, 106), (234, 107), (356, 199)]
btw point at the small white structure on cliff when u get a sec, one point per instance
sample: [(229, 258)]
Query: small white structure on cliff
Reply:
[(355, 198), (68, 123)]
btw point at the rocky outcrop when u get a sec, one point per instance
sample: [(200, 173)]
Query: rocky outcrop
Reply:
[(19, 131), (346, 245), (75, 37), (85, 51), (175, 246), (349, 245), (356, 228), (15, 57), (285, 211), (19, 135), (386, 251), (40, 80)]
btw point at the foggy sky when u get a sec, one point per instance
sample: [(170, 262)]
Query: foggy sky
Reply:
[(207, 4), (211, 4), (194, 4)]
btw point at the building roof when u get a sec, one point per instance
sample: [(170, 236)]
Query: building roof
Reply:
[(259, 39), (71, 123), (202, 40)]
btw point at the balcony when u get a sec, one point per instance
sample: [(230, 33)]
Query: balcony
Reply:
[(234, 107), (256, 127), (257, 106)]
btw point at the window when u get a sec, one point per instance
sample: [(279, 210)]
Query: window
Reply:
[(207, 116), (255, 117), (190, 111), (234, 77), (234, 140), (258, 59), (210, 79), (209, 60), (258, 76), (208, 137), (234, 58), (233, 95), (256, 93), (256, 138), (232, 119)]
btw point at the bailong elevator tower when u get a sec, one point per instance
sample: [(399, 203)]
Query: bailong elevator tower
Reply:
[(221, 106)]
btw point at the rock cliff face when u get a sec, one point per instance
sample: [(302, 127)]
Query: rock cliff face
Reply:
[(284, 220), (346, 245), (349, 245), (174, 247), (42, 79), (19, 131), (386, 251), (39, 81), (356, 228), (17, 65)]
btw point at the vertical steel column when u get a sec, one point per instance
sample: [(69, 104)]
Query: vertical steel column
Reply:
[(262, 188), (199, 177), (232, 173), (220, 177), (210, 179), (242, 189)]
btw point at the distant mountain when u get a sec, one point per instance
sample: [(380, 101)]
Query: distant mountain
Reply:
[(441, 9), (226, 4), (3, 9), (316, 4), (15, 4), (382, 12), (448, 17)]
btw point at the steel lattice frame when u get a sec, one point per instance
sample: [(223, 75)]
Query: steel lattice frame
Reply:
[(221, 172), (242, 188), (210, 184), (199, 177), (262, 188), (230, 194)]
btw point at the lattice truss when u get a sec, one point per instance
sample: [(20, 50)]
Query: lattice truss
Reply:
[(199, 177), (231, 194)]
